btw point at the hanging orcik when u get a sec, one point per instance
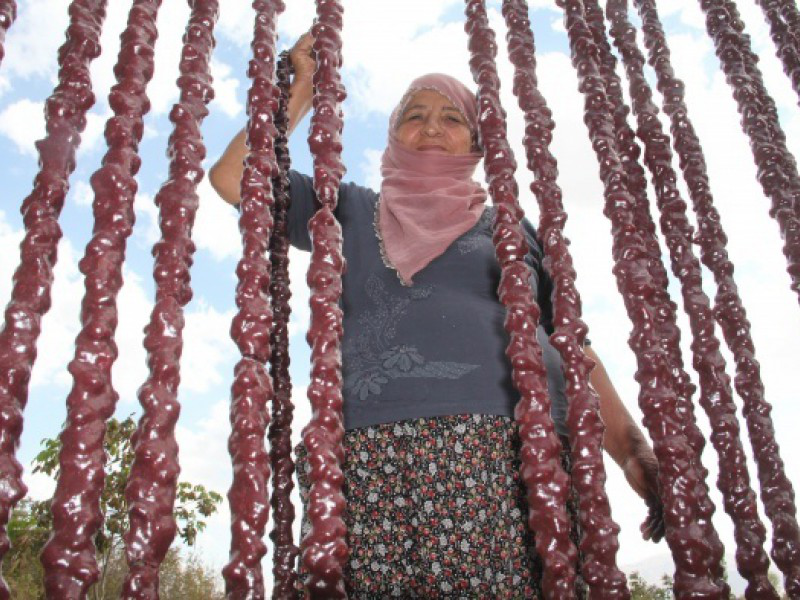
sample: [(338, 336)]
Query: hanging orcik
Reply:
[(152, 522), (261, 409), (716, 394), (65, 117)]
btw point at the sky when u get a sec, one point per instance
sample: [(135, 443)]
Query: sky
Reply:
[(386, 45)]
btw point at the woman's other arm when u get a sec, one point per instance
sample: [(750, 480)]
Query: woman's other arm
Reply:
[(226, 174), (626, 444)]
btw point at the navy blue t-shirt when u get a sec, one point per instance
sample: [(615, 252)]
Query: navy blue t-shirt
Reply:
[(437, 347)]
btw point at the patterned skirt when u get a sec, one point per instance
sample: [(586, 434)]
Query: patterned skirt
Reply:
[(435, 509)]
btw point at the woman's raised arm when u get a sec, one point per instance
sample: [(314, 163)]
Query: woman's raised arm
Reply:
[(226, 174)]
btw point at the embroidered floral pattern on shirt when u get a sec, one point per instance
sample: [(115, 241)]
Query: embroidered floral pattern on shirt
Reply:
[(372, 358)]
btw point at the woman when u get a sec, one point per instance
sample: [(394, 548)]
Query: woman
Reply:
[(435, 505)]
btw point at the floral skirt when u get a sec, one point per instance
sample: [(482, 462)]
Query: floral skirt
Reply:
[(435, 509)]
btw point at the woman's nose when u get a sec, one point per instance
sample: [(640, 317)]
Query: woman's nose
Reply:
[(432, 128)]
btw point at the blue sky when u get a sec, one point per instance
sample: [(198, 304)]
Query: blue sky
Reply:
[(386, 44)]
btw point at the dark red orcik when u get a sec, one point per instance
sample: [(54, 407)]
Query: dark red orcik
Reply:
[(599, 544), (8, 14), (284, 559), (760, 123), (150, 493), (629, 152), (669, 332), (776, 167), (783, 19), (547, 484), (324, 549), (776, 491), (65, 119), (69, 556), (716, 393), (252, 390), (679, 480)]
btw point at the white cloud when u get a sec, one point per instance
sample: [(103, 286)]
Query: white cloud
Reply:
[(32, 42), (687, 11), (379, 71), (215, 227), (371, 168), (537, 5), (9, 247), (82, 193), (297, 19), (205, 438), (40, 486), (101, 69), (301, 313), (558, 25), (23, 123), (150, 132), (225, 88), (146, 230), (93, 134), (236, 22), (129, 371), (162, 90), (207, 347)]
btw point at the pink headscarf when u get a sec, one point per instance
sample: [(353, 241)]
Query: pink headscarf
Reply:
[(428, 199)]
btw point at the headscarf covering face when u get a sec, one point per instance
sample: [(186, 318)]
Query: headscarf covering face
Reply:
[(428, 199)]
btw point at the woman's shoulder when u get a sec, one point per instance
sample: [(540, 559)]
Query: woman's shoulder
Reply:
[(351, 191)]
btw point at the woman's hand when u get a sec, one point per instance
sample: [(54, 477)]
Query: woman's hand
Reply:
[(641, 471), (301, 91), (302, 57), (225, 175), (626, 444)]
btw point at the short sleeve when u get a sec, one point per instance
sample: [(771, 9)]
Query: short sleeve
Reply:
[(303, 206)]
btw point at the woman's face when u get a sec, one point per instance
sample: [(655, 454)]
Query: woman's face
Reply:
[(430, 123)]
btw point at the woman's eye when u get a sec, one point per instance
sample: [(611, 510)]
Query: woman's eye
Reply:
[(456, 123)]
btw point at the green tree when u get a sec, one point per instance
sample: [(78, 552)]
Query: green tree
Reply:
[(641, 590), (777, 583), (27, 533), (31, 523)]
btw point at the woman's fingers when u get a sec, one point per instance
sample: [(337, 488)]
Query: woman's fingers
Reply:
[(302, 56), (653, 526), (641, 471)]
